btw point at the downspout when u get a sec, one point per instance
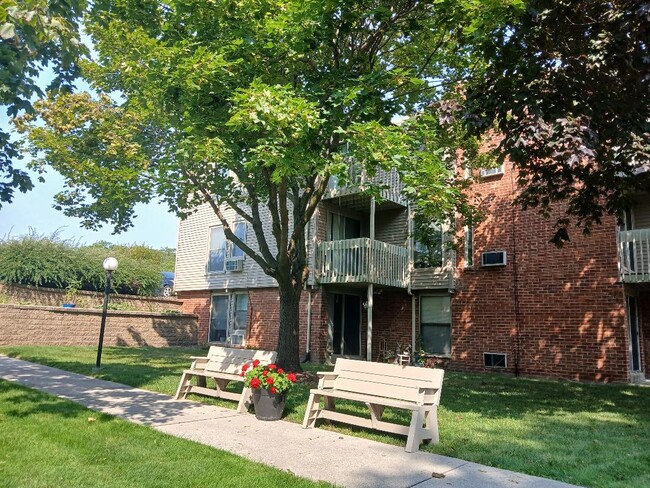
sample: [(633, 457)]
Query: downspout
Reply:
[(307, 356), (370, 287), (515, 283), (409, 270)]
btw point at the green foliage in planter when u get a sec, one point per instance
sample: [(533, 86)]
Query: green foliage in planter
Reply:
[(52, 262)]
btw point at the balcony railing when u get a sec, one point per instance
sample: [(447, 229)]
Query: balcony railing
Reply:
[(634, 255), (357, 180), (363, 261)]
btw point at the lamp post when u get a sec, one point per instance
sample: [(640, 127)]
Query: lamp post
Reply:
[(110, 265)]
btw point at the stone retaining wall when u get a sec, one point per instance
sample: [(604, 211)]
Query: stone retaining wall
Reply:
[(49, 297), (34, 325)]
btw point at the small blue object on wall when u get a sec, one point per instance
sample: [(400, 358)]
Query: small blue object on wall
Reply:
[(68, 305)]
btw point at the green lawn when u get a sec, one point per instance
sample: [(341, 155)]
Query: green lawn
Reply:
[(587, 434), (47, 442)]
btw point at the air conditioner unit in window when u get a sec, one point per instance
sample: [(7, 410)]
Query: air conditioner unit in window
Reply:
[(234, 264), (237, 338), (493, 258)]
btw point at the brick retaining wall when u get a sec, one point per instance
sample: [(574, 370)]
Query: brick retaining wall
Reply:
[(33, 325)]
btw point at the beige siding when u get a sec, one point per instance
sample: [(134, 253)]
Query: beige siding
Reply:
[(192, 256), (391, 226), (642, 213), (431, 278)]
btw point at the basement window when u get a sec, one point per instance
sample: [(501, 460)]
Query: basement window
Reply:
[(494, 360)]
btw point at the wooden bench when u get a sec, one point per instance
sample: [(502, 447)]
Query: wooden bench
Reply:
[(223, 365), (379, 386)]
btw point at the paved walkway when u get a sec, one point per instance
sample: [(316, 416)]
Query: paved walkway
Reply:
[(315, 453)]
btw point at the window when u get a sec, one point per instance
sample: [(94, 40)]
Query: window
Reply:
[(435, 324), (221, 249), (217, 254), (240, 232), (229, 318), (469, 246), (428, 252), (494, 360)]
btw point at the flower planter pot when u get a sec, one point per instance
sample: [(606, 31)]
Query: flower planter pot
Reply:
[(268, 406)]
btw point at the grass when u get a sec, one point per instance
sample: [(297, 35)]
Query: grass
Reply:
[(47, 441), (587, 434)]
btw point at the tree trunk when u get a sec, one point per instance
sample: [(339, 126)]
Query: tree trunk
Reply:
[(289, 334)]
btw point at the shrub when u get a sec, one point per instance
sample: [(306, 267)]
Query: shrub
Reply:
[(51, 262)]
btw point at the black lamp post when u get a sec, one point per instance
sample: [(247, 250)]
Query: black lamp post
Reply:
[(110, 265)]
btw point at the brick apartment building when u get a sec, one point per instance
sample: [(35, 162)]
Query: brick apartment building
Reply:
[(505, 299)]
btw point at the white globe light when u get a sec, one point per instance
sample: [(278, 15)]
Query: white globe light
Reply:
[(110, 264)]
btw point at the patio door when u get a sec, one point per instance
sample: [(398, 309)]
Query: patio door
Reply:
[(228, 318), (345, 324), (633, 330)]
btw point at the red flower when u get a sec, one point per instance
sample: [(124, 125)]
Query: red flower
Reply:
[(272, 366), (269, 381), (242, 373), (255, 383), (265, 372), (273, 390), (244, 368), (291, 377), (280, 370), (256, 362)]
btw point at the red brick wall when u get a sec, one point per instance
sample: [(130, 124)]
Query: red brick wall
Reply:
[(391, 318), (264, 319), (198, 303), (569, 321)]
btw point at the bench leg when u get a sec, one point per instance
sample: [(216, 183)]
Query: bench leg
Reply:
[(413, 439), (432, 425), (245, 400), (221, 386), (330, 403), (376, 412), (311, 414), (183, 386)]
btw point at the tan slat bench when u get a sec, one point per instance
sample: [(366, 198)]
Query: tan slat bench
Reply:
[(223, 364), (380, 385)]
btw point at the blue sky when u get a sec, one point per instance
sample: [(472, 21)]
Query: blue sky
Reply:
[(154, 226)]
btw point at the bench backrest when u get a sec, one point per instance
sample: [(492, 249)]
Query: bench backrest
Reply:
[(230, 360), (389, 380)]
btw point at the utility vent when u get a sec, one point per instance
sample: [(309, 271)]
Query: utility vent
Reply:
[(234, 264), (494, 360), (493, 258), (237, 338), (487, 172)]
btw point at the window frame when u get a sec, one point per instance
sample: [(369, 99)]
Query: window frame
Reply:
[(435, 324), (231, 317), (231, 250), (468, 246)]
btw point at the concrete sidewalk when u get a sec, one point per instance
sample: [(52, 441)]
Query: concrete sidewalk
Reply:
[(315, 453)]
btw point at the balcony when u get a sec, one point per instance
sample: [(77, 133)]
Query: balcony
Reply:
[(634, 256), (352, 195), (362, 261)]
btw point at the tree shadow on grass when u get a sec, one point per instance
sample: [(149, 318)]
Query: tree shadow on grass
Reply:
[(17, 401)]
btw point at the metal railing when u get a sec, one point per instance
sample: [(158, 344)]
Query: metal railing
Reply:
[(362, 260), (634, 255)]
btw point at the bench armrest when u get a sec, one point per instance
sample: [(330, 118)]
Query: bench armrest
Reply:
[(198, 362), (326, 379)]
